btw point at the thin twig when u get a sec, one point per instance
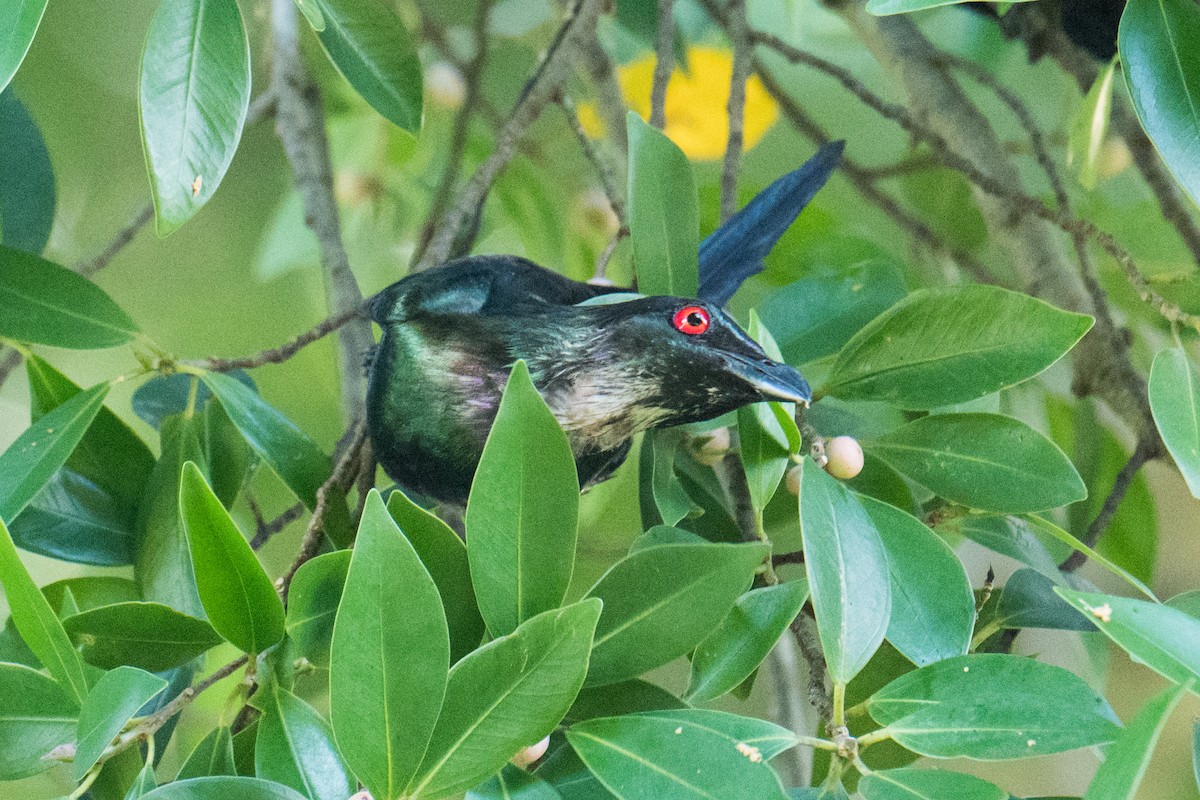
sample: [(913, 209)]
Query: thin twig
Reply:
[(600, 275), (735, 19), (664, 63), (605, 171), (804, 630), (266, 529), (579, 26), (1142, 452), (277, 355)]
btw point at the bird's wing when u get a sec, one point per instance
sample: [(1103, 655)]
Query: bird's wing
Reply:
[(735, 251)]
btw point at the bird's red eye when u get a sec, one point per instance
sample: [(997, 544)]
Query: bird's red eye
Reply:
[(691, 320)]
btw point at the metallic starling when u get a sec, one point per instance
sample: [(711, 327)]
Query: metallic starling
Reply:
[(607, 370)]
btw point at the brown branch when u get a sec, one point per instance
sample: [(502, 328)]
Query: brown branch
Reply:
[(579, 27), (781, 559), (664, 63), (804, 630), (264, 529), (277, 355), (605, 171), (300, 124), (735, 24)]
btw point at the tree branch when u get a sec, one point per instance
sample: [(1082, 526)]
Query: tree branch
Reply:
[(664, 63), (277, 355), (735, 22)]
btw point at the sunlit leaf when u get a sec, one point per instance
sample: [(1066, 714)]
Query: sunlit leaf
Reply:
[(149, 636), (111, 703), (223, 788), (295, 747), (1090, 127), (17, 27), (927, 784), (36, 715)]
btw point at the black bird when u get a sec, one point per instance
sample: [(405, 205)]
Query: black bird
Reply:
[(606, 369)]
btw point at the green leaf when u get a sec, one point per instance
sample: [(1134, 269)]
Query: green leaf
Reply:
[(933, 607), (1010, 536), (312, 604), (926, 784), (643, 756), (660, 602), (287, 450), (213, 755), (814, 316), (149, 636), (114, 700), (985, 461), (145, 782), (73, 519), (43, 447), (445, 556), (312, 12), (27, 195), (953, 344), (1175, 402), (616, 699), (507, 695), (370, 46), (17, 27), (44, 303), (37, 622), (36, 716), (238, 596), (1163, 638), (513, 783), (1162, 72), (663, 218), (847, 572), (1126, 759), (671, 500), (295, 747), (522, 513), (195, 91), (1090, 127), (1028, 601), (390, 657), (1053, 531), (883, 8), (765, 445), (732, 652), (992, 707), (223, 788)]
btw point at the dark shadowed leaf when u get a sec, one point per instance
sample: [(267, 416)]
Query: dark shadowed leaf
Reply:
[(17, 27), (164, 395), (627, 697), (238, 596), (985, 461), (149, 636), (143, 784), (312, 604), (295, 747), (445, 556), (75, 520), (44, 303), (1051, 531), (660, 602), (950, 345), (927, 784), (1175, 401), (671, 500), (1126, 759), (26, 178), (992, 707), (505, 696), (522, 513), (195, 91), (1028, 601), (370, 46), (840, 540), (513, 783), (36, 716), (663, 219), (390, 656), (223, 788), (213, 755), (114, 700)]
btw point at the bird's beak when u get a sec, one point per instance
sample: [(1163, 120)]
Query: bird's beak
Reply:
[(772, 380)]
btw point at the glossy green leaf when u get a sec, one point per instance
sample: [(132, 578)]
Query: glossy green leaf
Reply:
[(38, 624), (814, 316), (523, 510), (1162, 71), (295, 747), (953, 344), (43, 447), (370, 46), (732, 652), (660, 602), (17, 27), (513, 783), (145, 783), (149, 636), (1028, 601), (615, 699), (764, 443), (312, 12), (985, 461), (840, 540), (1163, 638), (36, 716), (75, 520), (507, 695), (670, 498), (445, 556), (664, 534), (663, 218), (194, 95), (287, 450), (312, 604), (164, 395), (238, 596), (223, 788), (992, 707), (887, 7), (767, 738), (1126, 759), (933, 607), (390, 657), (113, 701), (27, 194), (1090, 127), (660, 756), (927, 784), (212, 755), (1010, 536), (1175, 403)]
